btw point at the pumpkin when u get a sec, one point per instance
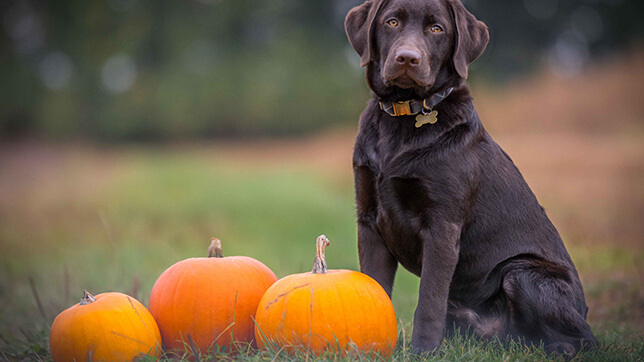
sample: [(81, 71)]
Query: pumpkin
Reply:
[(199, 302), (327, 309), (107, 327)]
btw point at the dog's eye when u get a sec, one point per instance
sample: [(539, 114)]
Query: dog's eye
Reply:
[(436, 29), (392, 22)]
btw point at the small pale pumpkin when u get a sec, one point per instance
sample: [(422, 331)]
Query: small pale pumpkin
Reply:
[(206, 301), (327, 309), (108, 327)]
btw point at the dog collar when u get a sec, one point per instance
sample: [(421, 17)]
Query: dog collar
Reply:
[(422, 109)]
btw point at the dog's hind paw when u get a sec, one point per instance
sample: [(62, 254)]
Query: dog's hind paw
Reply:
[(566, 350)]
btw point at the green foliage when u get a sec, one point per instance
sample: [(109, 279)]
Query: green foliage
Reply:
[(118, 70), (202, 69)]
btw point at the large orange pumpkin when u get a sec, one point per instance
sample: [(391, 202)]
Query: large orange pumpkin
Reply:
[(108, 327), (206, 301), (327, 309)]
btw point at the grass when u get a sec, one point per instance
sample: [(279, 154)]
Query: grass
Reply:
[(457, 348)]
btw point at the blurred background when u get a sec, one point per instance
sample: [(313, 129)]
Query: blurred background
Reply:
[(137, 70), (131, 131)]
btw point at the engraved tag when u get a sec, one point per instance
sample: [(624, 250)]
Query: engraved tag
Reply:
[(430, 118)]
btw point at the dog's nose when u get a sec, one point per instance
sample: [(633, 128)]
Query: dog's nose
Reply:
[(408, 57)]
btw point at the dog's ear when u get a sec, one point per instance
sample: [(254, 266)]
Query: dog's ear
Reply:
[(359, 27), (470, 37)]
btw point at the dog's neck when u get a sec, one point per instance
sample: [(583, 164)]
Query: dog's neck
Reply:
[(433, 111), (402, 133), (413, 107)]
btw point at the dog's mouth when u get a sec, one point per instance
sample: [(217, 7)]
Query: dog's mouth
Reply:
[(407, 82), (404, 82)]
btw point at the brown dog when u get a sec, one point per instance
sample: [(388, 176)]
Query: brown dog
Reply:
[(436, 194)]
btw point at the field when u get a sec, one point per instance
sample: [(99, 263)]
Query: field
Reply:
[(77, 216)]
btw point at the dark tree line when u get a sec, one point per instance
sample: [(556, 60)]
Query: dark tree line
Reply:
[(118, 70)]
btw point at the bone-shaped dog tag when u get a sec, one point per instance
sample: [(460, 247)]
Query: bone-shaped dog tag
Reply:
[(430, 118)]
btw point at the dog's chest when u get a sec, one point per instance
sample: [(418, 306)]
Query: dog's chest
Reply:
[(404, 194), (401, 216)]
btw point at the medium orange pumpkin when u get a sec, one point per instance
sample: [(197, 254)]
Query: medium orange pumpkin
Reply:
[(327, 310), (207, 301), (108, 327)]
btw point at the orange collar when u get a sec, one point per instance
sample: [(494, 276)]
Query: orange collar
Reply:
[(414, 107)]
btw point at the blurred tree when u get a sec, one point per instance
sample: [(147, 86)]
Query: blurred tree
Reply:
[(117, 70)]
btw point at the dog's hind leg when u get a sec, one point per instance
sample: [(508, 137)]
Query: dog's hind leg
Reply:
[(466, 321), (487, 320), (547, 305)]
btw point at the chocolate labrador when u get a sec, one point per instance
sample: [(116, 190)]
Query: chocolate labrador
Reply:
[(436, 194)]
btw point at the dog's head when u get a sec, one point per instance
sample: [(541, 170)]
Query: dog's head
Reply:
[(414, 46)]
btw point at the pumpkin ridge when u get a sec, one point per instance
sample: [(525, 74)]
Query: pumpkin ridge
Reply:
[(310, 335), (127, 337), (393, 339), (139, 315), (214, 341), (102, 321), (177, 305), (373, 305), (344, 319), (286, 294)]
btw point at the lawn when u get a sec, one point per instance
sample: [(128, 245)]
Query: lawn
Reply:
[(77, 217)]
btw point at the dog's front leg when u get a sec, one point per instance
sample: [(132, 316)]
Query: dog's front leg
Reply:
[(440, 256), (375, 258)]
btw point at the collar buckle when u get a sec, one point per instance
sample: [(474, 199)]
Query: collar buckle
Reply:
[(402, 108)]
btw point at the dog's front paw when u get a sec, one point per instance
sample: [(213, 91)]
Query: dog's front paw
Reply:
[(425, 346)]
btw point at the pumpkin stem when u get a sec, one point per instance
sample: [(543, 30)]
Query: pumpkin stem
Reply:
[(319, 265), (214, 250), (87, 298)]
